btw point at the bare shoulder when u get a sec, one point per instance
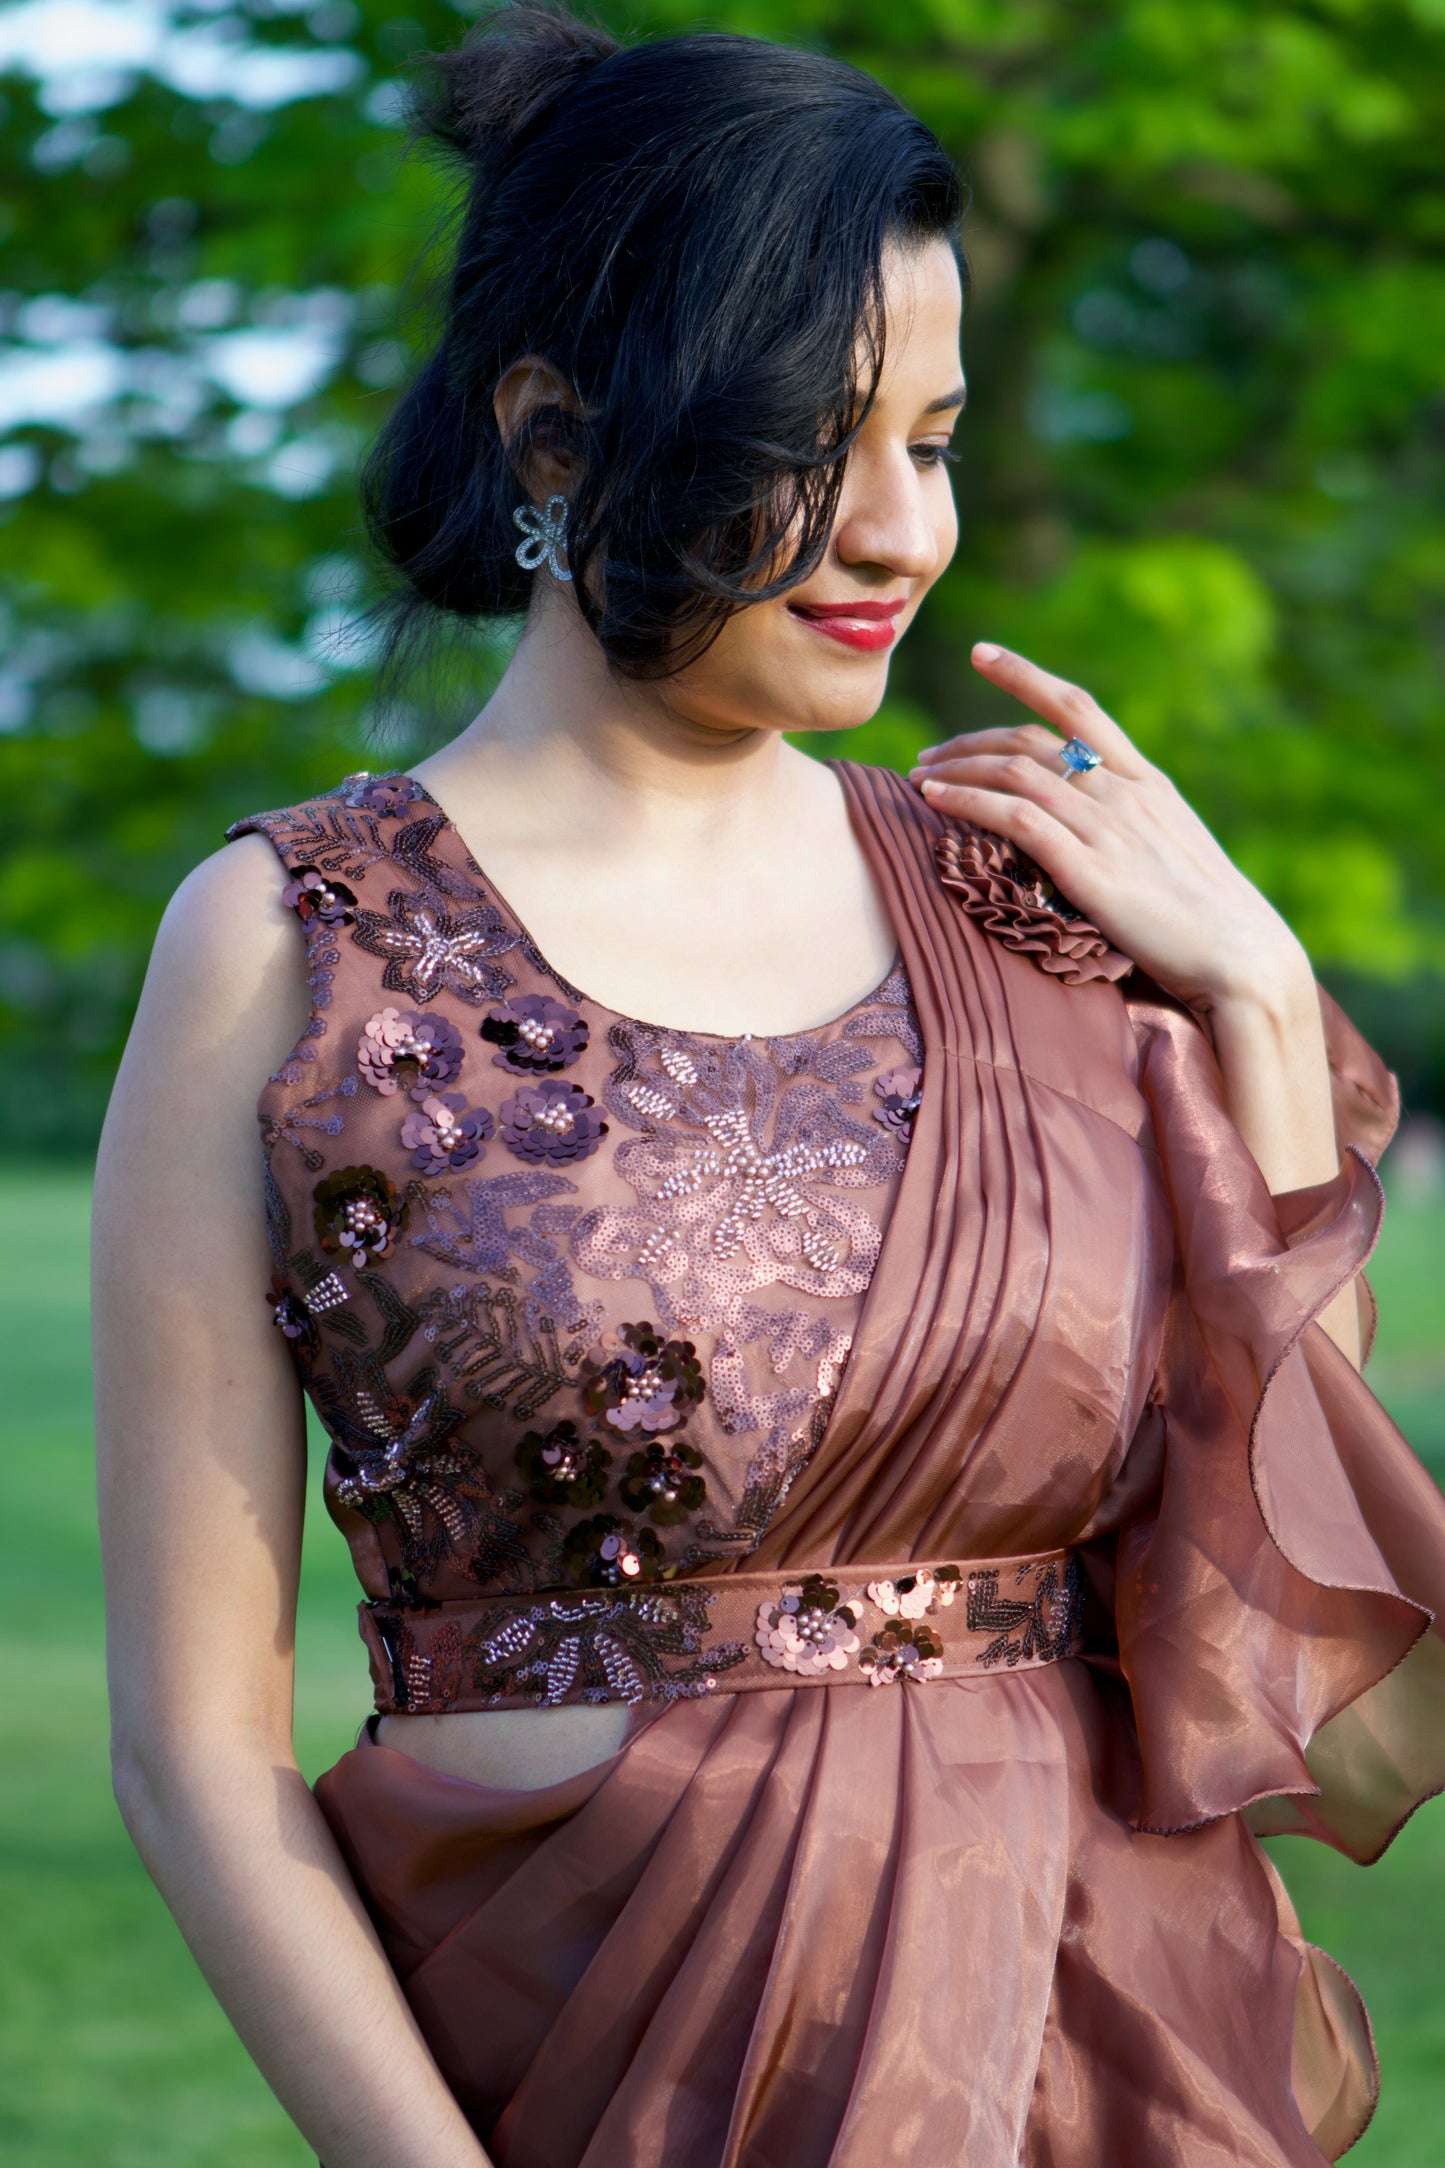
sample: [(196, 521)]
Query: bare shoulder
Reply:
[(225, 1000), (227, 941)]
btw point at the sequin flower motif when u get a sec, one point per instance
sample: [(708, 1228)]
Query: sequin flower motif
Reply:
[(561, 1469), (358, 1214), (428, 951), (297, 1317), (661, 1482), (384, 794), (444, 1135), (381, 1461), (551, 1121), (906, 1649), (534, 1034), (292, 1316), (807, 1630), (605, 1552), (899, 1091), (316, 900), (413, 1052), (640, 1381), (914, 1595)]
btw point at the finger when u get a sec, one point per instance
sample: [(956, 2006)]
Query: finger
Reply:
[(1022, 777), (1033, 738), (1037, 832), (1068, 707)]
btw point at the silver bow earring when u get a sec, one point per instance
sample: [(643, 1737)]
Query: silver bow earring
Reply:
[(546, 534)]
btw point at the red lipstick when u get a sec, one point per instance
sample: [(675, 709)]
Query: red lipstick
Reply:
[(865, 626)]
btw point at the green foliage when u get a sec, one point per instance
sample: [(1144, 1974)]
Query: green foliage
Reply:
[(1202, 461)]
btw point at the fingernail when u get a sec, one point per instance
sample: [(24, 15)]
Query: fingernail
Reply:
[(929, 752), (932, 783), (985, 651)]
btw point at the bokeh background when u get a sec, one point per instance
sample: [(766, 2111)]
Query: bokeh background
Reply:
[(1202, 474)]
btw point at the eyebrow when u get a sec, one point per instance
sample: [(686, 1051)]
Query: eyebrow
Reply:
[(950, 399)]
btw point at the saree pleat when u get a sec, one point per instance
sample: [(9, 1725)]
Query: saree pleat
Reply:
[(1021, 1918)]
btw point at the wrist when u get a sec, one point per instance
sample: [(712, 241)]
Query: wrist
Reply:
[(1275, 989)]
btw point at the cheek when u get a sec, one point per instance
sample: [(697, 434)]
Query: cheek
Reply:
[(750, 649), (748, 666), (945, 531)]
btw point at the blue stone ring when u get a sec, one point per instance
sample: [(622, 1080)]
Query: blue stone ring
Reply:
[(1078, 758)]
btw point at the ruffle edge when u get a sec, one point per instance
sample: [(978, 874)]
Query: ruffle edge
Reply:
[(1014, 900), (1275, 1603)]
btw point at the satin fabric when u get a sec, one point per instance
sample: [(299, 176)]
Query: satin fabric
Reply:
[(1020, 1918)]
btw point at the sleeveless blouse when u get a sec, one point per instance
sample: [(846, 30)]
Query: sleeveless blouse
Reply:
[(575, 1298), (571, 1292)]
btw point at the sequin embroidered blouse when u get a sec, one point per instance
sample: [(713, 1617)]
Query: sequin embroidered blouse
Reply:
[(571, 1293)]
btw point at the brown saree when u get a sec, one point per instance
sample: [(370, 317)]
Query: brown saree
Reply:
[(1019, 1916)]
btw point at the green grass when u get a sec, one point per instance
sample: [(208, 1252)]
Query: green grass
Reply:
[(112, 2052)]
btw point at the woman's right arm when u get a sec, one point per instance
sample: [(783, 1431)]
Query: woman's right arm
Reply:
[(202, 1480)]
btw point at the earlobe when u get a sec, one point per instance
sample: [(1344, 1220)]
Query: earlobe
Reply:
[(536, 410)]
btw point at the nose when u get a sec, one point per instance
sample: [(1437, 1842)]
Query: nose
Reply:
[(883, 518)]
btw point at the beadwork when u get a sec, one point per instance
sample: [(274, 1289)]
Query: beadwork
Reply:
[(573, 1294)]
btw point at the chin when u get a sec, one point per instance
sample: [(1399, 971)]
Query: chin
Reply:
[(842, 714)]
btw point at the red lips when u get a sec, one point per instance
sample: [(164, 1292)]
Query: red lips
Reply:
[(867, 626), (873, 610)]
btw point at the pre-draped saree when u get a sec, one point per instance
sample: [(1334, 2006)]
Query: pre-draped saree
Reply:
[(1020, 1917)]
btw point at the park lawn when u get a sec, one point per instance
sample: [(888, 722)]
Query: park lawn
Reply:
[(113, 2053)]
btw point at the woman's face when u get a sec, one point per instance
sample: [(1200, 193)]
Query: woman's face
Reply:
[(817, 658)]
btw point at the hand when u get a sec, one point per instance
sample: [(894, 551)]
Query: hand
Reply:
[(1120, 843)]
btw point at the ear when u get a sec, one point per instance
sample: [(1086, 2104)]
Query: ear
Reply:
[(537, 411)]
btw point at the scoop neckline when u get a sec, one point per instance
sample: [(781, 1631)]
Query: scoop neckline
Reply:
[(621, 1016)]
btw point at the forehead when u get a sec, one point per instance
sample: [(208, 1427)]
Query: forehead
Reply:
[(923, 311)]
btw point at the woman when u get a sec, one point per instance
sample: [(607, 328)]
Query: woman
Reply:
[(862, 1492)]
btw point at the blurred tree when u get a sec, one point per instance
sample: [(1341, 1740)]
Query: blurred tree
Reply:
[(1202, 475)]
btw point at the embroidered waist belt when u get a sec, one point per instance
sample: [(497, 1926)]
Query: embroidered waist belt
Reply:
[(663, 1640)]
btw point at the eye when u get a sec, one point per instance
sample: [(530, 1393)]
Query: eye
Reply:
[(935, 455)]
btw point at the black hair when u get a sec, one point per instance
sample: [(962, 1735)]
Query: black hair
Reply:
[(691, 230)]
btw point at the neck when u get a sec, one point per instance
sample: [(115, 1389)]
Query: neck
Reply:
[(563, 742)]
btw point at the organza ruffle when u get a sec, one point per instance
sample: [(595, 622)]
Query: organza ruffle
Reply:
[(1014, 901), (1275, 1603)]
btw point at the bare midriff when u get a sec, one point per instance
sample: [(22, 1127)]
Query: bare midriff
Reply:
[(511, 1749)]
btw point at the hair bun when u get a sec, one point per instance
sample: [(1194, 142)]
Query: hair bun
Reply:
[(515, 65)]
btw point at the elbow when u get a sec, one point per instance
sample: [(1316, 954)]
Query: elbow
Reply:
[(138, 1790), (170, 1781), (155, 1790)]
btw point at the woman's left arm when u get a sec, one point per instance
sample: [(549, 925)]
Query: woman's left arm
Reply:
[(1123, 846)]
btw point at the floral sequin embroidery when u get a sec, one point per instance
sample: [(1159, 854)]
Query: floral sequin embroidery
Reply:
[(534, 1034), (1037, 1622), (808, 1629), (563, 1471), (593, 1453), (606, 1649), (415, 1053), (640, 1381), (551, 1121), (743, 1176), (905, 1648), (428, 950), (317, 900), (899, 1090), (358, 1214), (388, 795), (444, 1135), (607, 1551), (662, 1482)]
